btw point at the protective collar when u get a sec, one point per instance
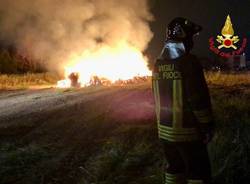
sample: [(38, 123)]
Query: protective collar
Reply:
[(172, 50)]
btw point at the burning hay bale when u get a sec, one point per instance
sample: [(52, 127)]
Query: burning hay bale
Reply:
[(74, 77), (135, 80), (74, 81), (97, 81)]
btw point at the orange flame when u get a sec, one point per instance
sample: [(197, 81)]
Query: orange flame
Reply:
[(121, 63)]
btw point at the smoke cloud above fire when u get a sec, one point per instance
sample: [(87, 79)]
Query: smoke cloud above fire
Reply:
[(56, 30)]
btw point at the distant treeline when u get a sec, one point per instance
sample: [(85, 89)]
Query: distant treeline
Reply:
[(14, 63)]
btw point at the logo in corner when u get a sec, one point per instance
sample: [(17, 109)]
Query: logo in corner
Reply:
[(227, 44)]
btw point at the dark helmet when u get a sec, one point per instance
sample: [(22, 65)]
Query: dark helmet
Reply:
[(183, 30)]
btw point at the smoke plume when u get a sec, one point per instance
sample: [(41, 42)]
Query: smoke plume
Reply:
[(55, 30)]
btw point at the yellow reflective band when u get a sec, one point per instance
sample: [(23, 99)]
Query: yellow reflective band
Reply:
[(178, 138), (170, 182), (174, 178), (155, 96), (178, 175), (177, 135), (178, 132), (157, 99), (177, 104), (167, 181), (195, 182)]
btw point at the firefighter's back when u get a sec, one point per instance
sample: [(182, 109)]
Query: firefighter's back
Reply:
[(176, 122)]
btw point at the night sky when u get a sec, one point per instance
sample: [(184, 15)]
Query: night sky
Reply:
[(211, 14)]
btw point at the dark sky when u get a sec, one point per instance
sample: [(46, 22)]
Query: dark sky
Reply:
[(211, 14)]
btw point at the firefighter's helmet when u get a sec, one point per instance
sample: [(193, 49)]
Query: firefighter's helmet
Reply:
[(180, 29)]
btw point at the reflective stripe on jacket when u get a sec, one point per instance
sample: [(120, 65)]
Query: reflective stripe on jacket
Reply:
[(182, 101)]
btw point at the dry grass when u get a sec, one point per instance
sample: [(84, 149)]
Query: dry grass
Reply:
[(14, 81), (228, 79)]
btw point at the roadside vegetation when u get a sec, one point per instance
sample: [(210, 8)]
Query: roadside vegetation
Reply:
[(228, 79), (12, 62), (19, 72), (22, 81), (230, 148)]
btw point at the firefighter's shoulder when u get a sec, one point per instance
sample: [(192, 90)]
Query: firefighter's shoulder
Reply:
[(159, 60), (191, 62), (192, 58)]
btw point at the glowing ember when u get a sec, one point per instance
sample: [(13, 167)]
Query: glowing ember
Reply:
[(109, 64)]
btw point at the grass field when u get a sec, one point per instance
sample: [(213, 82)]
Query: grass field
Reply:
[(228, 79), (108, 150), (23, 81)]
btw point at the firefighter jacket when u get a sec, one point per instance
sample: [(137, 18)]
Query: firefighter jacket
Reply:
[(182, 101)]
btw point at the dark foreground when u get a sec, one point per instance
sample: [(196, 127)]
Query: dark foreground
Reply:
[(108, 136)]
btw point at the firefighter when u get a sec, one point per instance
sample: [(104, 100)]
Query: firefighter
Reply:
[(183, 108)]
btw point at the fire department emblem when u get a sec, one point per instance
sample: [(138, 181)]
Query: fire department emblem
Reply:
[(228, 40), (227, 44)]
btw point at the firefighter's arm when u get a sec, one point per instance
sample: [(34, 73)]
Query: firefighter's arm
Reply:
[(155, 76), (153, 82), (155, 90), (199, 100)]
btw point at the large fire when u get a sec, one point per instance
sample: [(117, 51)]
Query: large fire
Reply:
[(108, 64)]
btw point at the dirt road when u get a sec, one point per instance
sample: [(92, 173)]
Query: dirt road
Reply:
[(65, 129)]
